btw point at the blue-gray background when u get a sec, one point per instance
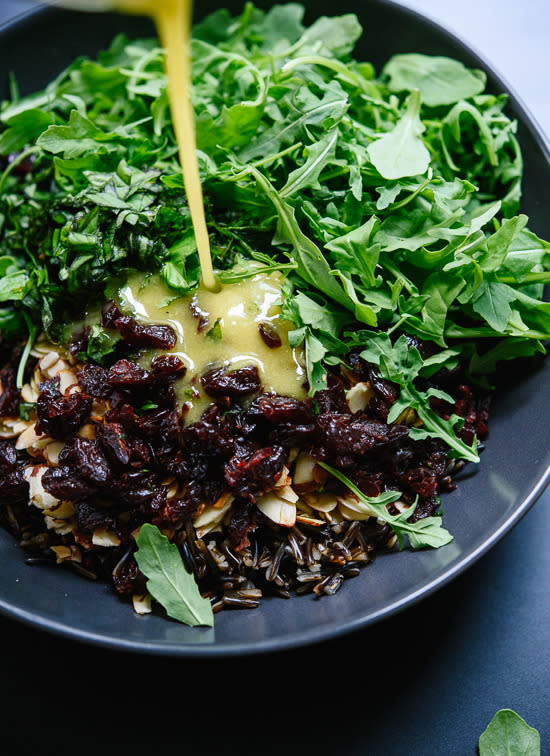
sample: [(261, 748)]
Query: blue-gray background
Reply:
[(480, 644)]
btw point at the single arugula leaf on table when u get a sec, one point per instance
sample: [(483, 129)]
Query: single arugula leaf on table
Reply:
[(507, 734)]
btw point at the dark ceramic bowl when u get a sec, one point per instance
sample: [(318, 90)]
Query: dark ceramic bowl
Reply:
[(514, 467)]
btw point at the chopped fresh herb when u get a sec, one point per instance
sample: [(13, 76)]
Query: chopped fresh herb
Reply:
[(168, 581), (215, 333), (101, 344), (26, 409), (148, 405)]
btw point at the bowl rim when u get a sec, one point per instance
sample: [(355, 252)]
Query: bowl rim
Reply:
[(313, 636)]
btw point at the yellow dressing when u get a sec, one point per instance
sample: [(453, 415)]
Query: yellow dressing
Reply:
[(219, 329)]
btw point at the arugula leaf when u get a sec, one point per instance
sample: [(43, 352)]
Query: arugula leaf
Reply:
[(401, 152), (311, 264), (425, 533), (507, 733), (440, 80), (24, 128), (492, 300), (168, 581), (317, 157), (336, 35), (354, 251)]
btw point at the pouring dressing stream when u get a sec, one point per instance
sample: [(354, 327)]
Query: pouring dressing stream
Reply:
[(173, 20)]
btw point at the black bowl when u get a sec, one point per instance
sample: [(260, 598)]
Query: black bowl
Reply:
[(514, 469)]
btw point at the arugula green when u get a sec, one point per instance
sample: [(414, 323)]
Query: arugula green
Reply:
[(507, 733), (168, 581), (426, 532)]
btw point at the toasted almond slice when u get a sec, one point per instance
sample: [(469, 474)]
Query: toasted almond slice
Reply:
[(87, 430), (29, 393), (63, 510), (34, 384), (359, 396), (11, 427), (284, 478), (48, 360), (56, 368), (210, 517), (173, 490), (51, 452), (105, 537), (322, 502), (99, 409), (42, 346), (61, 552), (67, 379), (352, 514), (67, 553), (303, 470), (141, 603), (223, 500), (307, 520), (62, 527), (277, 509), (30, 438), (38, 496), (287, 493)]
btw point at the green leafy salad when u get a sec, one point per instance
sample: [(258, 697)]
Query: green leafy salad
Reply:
[(389, 199)]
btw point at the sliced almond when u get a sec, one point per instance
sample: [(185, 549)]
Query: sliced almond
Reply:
[(11, 427), (287, 493), (48, 360), (284, 478), (87, 431), (352, 509), (277, 509), (51, 452), (67, 379), (308, 520), (38, 496), (303, 469), (62, 510), (67, 553), (29, 393), (30, 438), (211, 517), (359, 396), (322, 502), (141, 603), (62, 527), (105, 537)]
